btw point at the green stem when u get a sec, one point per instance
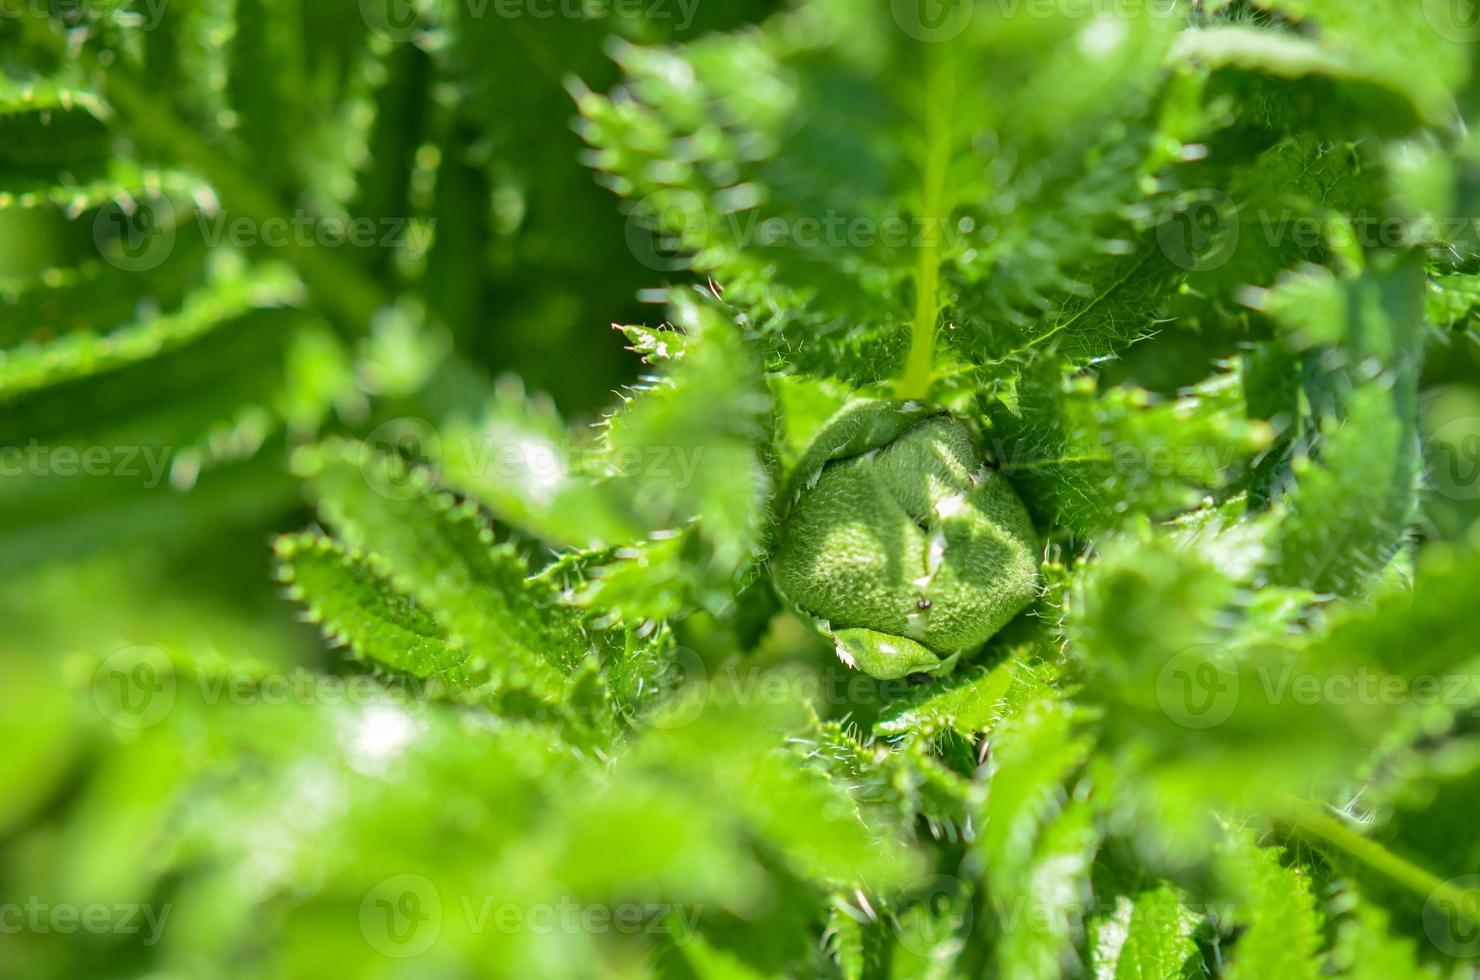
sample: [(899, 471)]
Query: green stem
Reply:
[(939, 96), (1314, 822)]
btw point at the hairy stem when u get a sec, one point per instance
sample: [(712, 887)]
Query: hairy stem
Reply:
[(939, 96), (1320, 827)]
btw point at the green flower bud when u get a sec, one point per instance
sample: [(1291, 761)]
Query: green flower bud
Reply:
[(900, 543)]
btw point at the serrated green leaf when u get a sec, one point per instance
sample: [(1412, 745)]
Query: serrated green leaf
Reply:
[(709, 963), (355, 605), (1348, 513), (895, 785), (1366, 947), (1037, 839), (31, 368), (1146, 936), (1405, 47), (517, 458), (442, 554), (1275, 905), (1086, 460), (1194, 675), (971, 704), (1113, 307), (1452, 301), (688, 446), (906, 208)]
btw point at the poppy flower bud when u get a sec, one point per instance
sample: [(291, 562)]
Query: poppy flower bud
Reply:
[(900, 543)]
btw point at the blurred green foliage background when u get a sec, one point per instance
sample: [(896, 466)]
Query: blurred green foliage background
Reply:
[(462, 124)]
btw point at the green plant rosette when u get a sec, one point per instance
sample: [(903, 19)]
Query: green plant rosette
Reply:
[(900, 543)]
